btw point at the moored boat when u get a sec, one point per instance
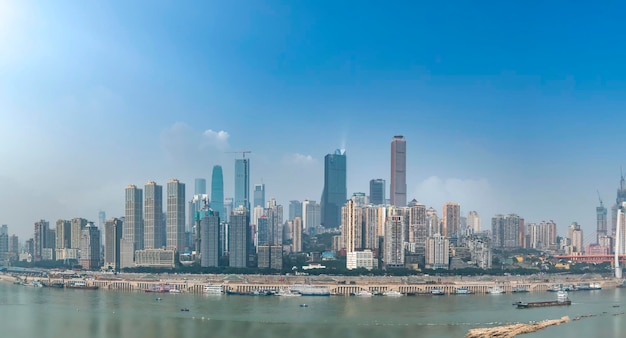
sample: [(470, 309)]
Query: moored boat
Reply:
[(495, 290), (363, 293), (437, 292), (392, 293), (213, 289), (520, 289), (311, 290), (463, 291), (288, 292), (81, 285)]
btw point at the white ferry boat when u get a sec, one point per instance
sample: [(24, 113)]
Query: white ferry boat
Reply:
[(561, 296), (288, 292), (363, 293), (213, 289), (311, 290), (495, 290), (392, 293)]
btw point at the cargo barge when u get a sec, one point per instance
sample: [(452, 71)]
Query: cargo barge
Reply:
[(561, 300)]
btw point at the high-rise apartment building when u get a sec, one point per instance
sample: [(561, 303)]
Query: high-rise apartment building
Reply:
[(295, 209), (259, 195), (507, 231), (575, 237), (133, 222), (352, 226), (14, 244), (242, 183), (418, 228), (311, 215), (41, 232), (437, 252), (90, 247), (335, 191), (296, 236), (217, 192), (112, 250), (473, 221), (200, 187), (394, 242), (238, 238), (210, 250), (154, 232), (398, 171), (77, 225), (451, 219), (63, 234), (377, 191), (175, 223)]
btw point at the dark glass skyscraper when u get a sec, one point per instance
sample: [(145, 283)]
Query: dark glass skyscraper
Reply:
[(242, 183), (377, 191), (335, 191), (217, 192), (295, 209)]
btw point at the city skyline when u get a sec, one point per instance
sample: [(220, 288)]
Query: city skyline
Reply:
[(491, 124)]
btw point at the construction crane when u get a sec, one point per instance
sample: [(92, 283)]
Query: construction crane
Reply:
[(242, 152), (600, 198)]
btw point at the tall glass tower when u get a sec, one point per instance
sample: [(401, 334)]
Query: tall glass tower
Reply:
[(217, 192), (200, 186), (259, 195), (242, 183), (398, 171), (335, 192), (377, 191)]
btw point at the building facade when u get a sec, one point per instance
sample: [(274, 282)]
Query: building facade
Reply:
[(242, 183), (217, 192), (335, 191), (398, 171), (133, 221), (175, 223), (377, 191), (154, 233)]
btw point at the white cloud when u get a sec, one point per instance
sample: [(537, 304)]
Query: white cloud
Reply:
[(217, 139), (299, 159), (472, 194)]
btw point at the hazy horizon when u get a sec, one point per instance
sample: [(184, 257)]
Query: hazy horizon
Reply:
[(507, 108)]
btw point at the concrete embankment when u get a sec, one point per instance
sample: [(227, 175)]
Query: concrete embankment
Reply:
[(512, 330)]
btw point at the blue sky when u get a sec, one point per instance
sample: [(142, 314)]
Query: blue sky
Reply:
[(506, 106)]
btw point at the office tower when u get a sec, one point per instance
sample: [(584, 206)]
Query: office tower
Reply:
[(394, 242), (238, 238), (506, 231), (210, 250), (295, 209), (259, 195), (113, 235), (242, 183), (601, 227), (359, 198), (352, 226), (575, 237), (217, 193), (473, 221), (229, 206), (398, 171), (153, 221), (621, 197), (175, 223), (102, 217), (41, 232), (335, 191), (296, 236), (197, 203), (200, 187), (133, 223), (451, 219), (437, 252), (63, 234), (14, 244), (377, 191), (90, 247)]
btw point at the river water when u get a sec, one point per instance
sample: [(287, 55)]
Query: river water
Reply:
[(48, 312)]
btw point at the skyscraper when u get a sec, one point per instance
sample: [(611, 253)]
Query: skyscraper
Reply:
[(394, 242), (398, 171), (238, 238), (175, 224), (242, 183), (209, 238), (335, 191), (113, 236), (377, 191), (295, 209), (90, 247), (133, 223), (621, 197), (506, 231), (153, 220), (297, 234), (77, 225), (102, 217), (352, 226), (259, 195), (601, 229), (451, 219), (311, 215), (200, 186), (217, 192), (63, 234), (473, 221)]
